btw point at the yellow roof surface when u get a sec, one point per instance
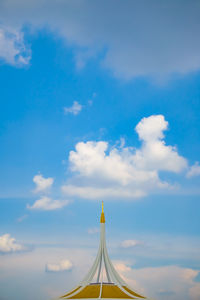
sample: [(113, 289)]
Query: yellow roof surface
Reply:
[(108, 291)]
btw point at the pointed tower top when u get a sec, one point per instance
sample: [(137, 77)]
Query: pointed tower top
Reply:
[(94, 286), (102, 220)]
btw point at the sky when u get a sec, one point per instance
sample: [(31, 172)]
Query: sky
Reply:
[(100, 100)]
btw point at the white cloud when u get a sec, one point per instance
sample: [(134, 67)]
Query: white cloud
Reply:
[(75, 109), (42, 184), (155, 154), (64, 265), (46, 203), (149, 40), (167, 283), (124, 172), (151, 128), (12, 47), (9, 244), (193, 170), (130, 243)]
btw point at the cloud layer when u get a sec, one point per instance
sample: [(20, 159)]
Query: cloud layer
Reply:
[(124, 172), (138, 38), (166, 282), (8, 244)]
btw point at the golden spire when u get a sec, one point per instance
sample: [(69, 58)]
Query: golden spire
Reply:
[(102, 220)]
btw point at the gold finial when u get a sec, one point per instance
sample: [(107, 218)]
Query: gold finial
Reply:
[(102, 220)]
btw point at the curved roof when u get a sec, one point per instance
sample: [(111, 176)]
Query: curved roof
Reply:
[(104, 290)]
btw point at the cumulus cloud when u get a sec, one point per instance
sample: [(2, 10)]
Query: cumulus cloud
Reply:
[(124, 172), (75, 109), (42, 184), (130, 243), (155, 154), (150, 40), (193, 170), (64, 265), (47, 203), (12, 47), (8, 244)]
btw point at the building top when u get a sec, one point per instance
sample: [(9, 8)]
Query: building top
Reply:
[(102, 281)]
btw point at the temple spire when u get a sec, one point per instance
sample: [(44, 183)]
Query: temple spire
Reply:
[(95, 285), (102, 220)]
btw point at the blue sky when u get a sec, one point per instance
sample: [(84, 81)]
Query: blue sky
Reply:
[(99, 104)]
